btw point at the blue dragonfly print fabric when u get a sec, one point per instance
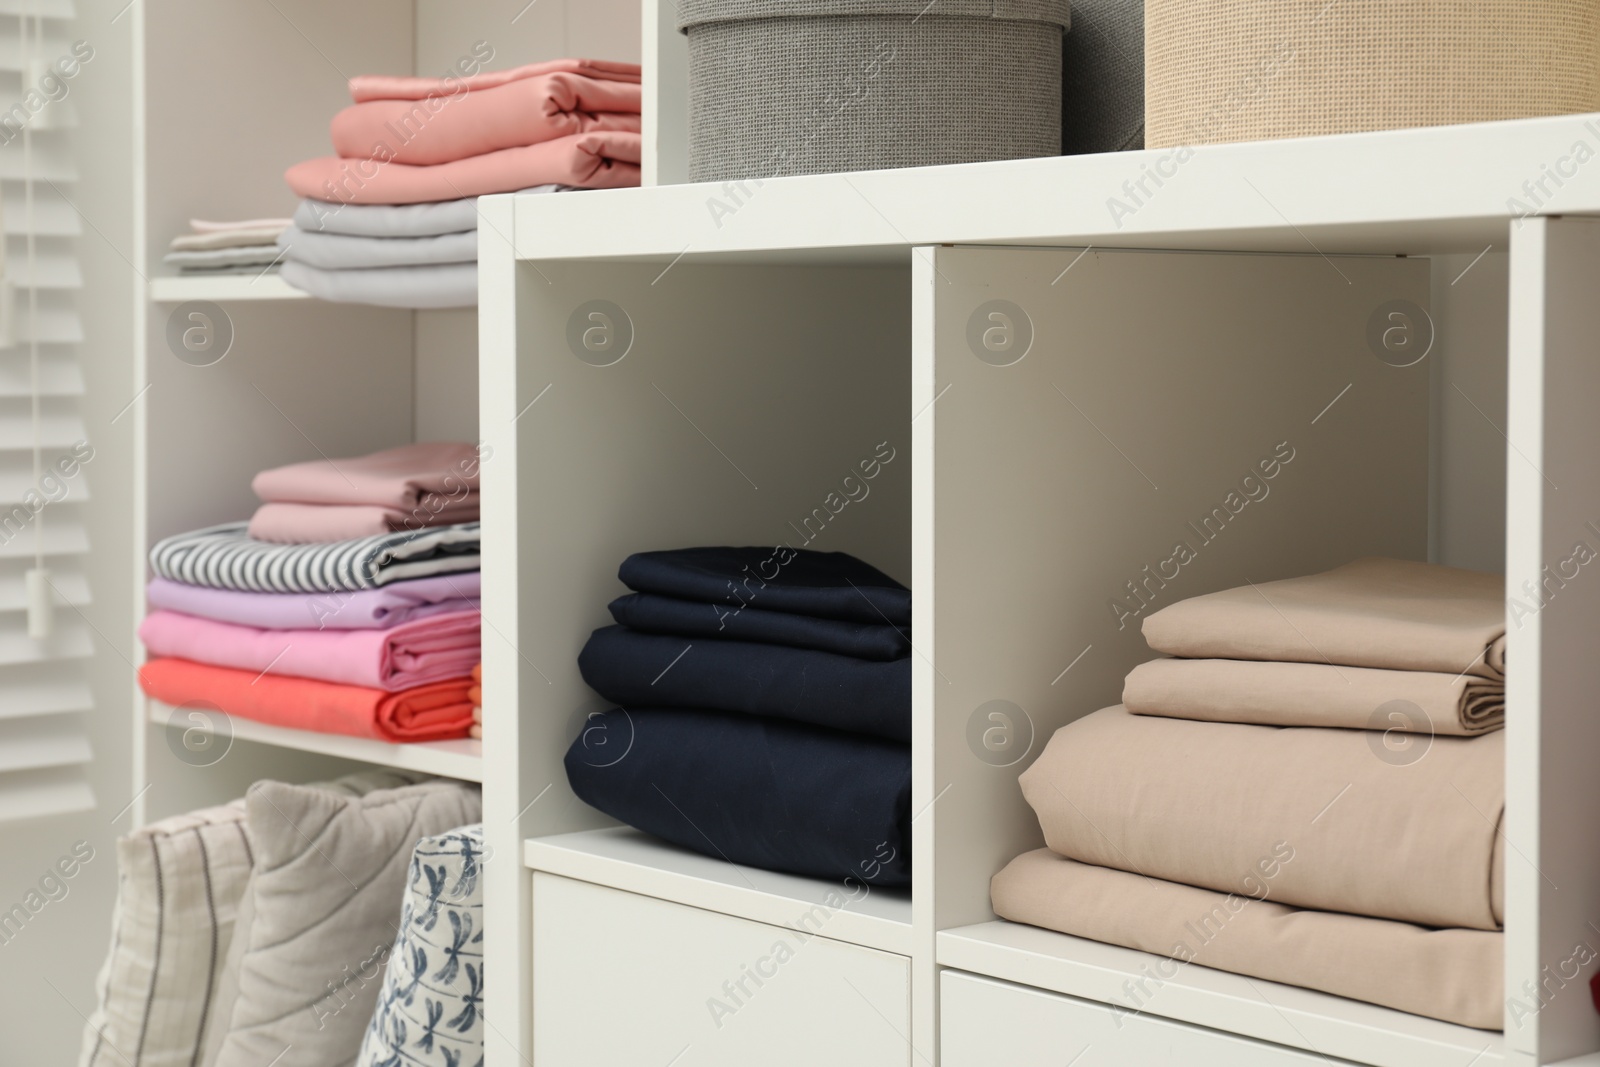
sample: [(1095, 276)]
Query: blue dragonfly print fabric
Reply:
[(430, 1010)]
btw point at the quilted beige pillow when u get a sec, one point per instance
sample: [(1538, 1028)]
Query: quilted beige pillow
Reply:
[(179, 884), (318, 917)]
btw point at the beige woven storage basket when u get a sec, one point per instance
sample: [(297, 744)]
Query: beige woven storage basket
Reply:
[(1244, 70)]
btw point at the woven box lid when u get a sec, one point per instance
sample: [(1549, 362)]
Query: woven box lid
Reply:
[(700, 12)]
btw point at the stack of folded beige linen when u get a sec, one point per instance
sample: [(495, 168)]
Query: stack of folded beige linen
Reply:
[(1310, 792)]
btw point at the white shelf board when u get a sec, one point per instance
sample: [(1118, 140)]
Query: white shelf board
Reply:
[(624, 858), (462, 758), (1431, 190), (177, 289), (1287, 1015)]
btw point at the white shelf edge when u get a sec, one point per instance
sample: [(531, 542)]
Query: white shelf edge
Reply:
[(1268, 1011), (626, 859), (461, 759), (1413, 191), (177, 289)]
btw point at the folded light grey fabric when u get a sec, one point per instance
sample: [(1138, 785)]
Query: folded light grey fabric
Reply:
[(441, 285), (394, 220), (340, 251), (1389, 613), (1454, 975), (320, 914), (1410, 835), (1316, 694), (210, 259)]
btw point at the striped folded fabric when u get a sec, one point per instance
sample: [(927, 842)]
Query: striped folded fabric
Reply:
[(226, 557)]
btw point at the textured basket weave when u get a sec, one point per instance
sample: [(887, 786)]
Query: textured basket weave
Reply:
[(1102, 78), (781, 87), (1238, 70)]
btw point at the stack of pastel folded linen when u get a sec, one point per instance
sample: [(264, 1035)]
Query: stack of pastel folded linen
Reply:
[(408, 142), (1310, 793), (764, 710), (246, 246), (360, 616)]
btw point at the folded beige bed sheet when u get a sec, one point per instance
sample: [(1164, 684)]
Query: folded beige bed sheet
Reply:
[(1409, 835), (1316, 694), (1454, 975), (1389, 613)]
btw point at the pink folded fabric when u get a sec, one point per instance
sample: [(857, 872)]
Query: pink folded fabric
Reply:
[(400, 478), (599, 159), (318, 523), (401, 657), (523, 112), (385, 87), (382, 608)]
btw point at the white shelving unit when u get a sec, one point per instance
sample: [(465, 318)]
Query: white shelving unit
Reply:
[(774, 347), (1169, 351)]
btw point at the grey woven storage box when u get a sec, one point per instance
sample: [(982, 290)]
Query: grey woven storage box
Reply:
[(781, 87), (1102, 92)]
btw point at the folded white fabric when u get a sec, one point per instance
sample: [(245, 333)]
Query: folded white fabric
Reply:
[(203, 242), (211, 259), (438, 285), (394, 220), (209, 226), (338, 251)]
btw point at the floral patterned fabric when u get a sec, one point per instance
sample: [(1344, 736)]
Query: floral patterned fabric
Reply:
[(430, 1010)]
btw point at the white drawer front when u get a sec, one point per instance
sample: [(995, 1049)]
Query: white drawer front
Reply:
[(985, 1023), (622, 980)]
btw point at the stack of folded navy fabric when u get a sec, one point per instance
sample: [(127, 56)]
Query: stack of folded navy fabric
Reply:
[(764, 710)]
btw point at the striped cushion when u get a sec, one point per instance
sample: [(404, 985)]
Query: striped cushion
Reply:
[(227, 557), (179, 884)]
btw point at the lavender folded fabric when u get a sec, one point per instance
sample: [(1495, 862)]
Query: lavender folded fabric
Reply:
[(402, 657), (369, 609)]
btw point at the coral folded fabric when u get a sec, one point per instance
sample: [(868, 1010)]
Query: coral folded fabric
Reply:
[(402, 657), (1412, 836), (1454, 975), (598, 159), (366, 609), (521, 112), (426, 713), (393, 478), (386, 87)]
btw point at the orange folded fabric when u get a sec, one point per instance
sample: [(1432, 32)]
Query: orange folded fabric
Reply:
[(427, 713), (599, 159)]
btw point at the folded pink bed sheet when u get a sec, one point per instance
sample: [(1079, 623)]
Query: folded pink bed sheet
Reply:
[(598, 159), (385, 87), (319, 523), (1454, 975), (400, 478), (522, 112), (401, 657), (381, 608)]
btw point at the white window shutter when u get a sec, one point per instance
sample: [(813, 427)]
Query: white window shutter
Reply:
[(44, 694)]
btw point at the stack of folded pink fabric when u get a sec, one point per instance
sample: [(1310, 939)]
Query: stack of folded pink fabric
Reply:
[(407, 142), (1310, 790), (277, 624)]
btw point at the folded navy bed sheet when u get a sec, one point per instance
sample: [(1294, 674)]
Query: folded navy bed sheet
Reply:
[(640, 670), (761, 792), (696, 618), (828, 585)]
